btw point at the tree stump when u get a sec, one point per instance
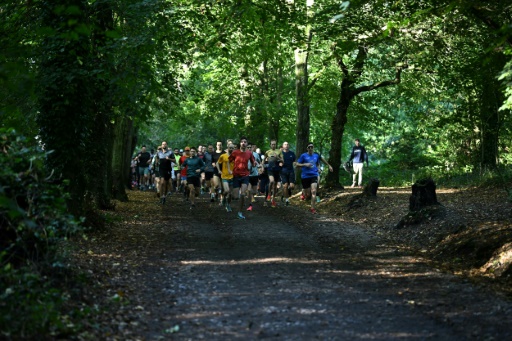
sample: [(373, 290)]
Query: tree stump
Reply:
[(371, 188), (423, 194)]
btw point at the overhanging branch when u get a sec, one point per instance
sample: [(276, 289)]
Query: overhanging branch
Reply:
[(382, 84)]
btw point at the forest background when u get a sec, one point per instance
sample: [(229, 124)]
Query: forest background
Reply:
[(425, 85)]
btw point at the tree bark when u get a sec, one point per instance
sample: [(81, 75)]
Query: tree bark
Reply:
[(302, 99), (100, 157), (121, 156), (337, 128), (490, 100), (275, 122), (423, 195), (65, 101)]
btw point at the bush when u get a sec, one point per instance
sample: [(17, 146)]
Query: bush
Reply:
[(33, 217), (33, 222), (391, 174)]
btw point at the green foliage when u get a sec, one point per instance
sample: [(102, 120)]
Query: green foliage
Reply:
[(33, 216), (392, 175), (30, 306), (506, 77), (33, 223)]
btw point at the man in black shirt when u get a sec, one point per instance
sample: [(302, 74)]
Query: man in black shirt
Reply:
[(217, 182), (287, 172), (143, 159), (167, 159)]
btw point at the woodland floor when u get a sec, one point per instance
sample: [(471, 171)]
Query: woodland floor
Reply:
[(171, 273)]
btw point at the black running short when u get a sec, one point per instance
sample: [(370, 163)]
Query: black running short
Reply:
[(253, 180), (288, 177), (306, 182), (194, 180)]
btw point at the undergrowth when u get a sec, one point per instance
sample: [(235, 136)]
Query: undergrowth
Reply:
[(458, 178), (33, 224)]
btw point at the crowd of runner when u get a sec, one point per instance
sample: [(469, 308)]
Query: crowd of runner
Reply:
[(237, 173)]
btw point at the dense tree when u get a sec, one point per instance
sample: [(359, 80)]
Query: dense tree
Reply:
[(111, 75)]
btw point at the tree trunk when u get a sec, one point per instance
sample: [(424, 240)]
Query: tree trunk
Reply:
[(65, 101), (121, 157), (302, 99), (101, 161), (490, 101), (337, 129), (275, 122), (423, 195), (100, 157), (370, 190), (256, 114)]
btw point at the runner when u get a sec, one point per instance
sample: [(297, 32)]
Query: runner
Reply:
[(273, 156), (254, 175), (167, 158), (228, 142), (194, 166), (177, 170), (184, 187), (309, 177), (287, 172), (134, 170), (241, 157), (156, 168), (200, 154), (208, 171), (217, 184), (151, 180), (224, 167), (143, 158)]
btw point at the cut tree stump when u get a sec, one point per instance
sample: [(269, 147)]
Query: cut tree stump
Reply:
[(423, 195), (371, 188)]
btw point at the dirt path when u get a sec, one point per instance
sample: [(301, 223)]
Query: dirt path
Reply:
[(173, 273)]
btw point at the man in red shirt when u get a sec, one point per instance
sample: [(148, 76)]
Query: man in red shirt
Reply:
[(241, 158)]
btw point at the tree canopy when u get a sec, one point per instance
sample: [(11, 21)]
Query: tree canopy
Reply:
[(425, 85)]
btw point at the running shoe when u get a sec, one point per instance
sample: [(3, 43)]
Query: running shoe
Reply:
[(268, 197), (287, 203), (274, 204), (228, 208), (249, 208), (240, 215), (302, 197), (313, 211)]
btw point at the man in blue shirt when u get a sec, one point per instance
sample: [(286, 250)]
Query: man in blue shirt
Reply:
[(309, 177), (359, 156)]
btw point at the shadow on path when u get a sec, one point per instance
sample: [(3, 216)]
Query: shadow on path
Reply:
[(282, 273)]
